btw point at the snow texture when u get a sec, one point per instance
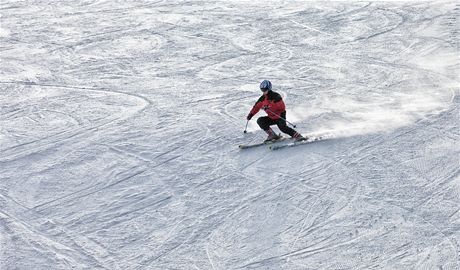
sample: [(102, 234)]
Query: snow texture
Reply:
[(120, 121)]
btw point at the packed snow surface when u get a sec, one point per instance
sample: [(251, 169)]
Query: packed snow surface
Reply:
[(120, 123)]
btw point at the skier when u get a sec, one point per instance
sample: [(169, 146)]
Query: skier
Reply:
[(272, 103)]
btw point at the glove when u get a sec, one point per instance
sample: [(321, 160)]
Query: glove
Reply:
[(266, 107), (250, 115)]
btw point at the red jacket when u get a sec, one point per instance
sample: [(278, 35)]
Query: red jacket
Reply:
[(273, 101)]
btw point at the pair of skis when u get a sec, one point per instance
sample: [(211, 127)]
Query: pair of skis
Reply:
[(246, 146), (275, 145)]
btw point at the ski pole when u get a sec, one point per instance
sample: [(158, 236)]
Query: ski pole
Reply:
[(277, 115), (245, 129)]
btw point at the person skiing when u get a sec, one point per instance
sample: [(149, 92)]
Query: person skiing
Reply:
[(272, 103)]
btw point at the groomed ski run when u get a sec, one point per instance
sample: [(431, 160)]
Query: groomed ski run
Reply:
[(120, 121)]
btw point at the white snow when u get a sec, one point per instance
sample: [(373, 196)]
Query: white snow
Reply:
[(120, 121)]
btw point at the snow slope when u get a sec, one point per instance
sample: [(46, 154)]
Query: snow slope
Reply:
[(120, 120)]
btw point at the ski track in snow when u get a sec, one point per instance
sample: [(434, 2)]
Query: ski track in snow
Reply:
[(119, 126)]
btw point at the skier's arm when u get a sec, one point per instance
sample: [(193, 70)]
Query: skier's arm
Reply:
[(255, 109)]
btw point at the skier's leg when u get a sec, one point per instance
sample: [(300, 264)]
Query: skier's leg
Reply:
[(264, 123), (281, 123), (284, 128)]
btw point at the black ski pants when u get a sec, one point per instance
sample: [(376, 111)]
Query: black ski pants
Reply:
[(265, 122)]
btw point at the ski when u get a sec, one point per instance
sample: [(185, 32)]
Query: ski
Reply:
[(308, 141), (246, 146)]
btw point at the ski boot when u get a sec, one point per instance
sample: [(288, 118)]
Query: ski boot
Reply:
[(272, 136), (298, 137)]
